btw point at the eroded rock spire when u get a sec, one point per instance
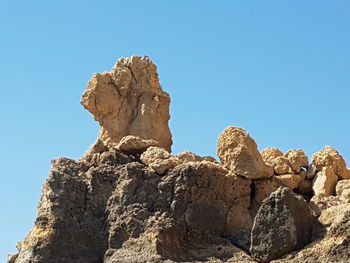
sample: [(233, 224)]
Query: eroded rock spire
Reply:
[(129, 101)]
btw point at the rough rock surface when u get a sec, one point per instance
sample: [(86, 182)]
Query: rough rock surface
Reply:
[(135, 145), (332, 247), (264, 188), (129, 101), (128, 199), (290, 180), (342, 189), (281, 165), (325, 181), (297, 159), (159, 159), (270, 153), (188, 156), (120, 210), (329, 156), (239, 153), (283, 224)]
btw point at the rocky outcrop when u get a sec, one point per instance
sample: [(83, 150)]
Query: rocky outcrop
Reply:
[(330, 157), (283, 224), (270, 153), (290, 162), (129, 101), (120, 210), (128, 199), (239, 153)]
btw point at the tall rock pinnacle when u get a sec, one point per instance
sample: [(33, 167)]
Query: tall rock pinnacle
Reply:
[(129, 101)]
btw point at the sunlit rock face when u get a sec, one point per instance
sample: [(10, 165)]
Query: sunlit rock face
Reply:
[(129, 101)]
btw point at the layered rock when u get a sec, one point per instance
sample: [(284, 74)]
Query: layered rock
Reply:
[(129, 101)]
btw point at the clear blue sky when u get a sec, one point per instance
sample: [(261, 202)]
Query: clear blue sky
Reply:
[(279, 69)]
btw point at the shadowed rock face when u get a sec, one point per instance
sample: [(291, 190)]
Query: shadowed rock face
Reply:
[(119, 210), (283, 224), (129, 101)]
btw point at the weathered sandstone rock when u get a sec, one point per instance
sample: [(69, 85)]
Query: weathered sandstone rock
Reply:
[(329, 156), (324, 182), (159, 159), (290, 180), (129, 101), (281, 165), (320, 203), (270, 153), (297, 159), (341, 186), (329, 215), (283, 224), (239, 153), (128, 199), (133, 144)]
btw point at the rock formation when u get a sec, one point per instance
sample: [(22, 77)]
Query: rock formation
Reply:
[(129, 101), (283, 224), (129, 199), (239, 153), (329, 157)]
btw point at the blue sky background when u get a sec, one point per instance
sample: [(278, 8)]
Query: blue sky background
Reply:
[(279, 69)]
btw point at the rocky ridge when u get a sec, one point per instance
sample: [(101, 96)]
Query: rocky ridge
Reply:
[(128, 199)]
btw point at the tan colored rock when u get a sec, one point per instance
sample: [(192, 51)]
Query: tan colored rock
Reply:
[(209, 159), (238, 152), (154, 153), (270, 153), (290, 180), (324, 182), (329, 156), (345, 196), (159, 159), (281, 165), (161, 166), (341, 186), (329, 215), (264, 188), (238, 218), (188, 156), (134, 144), (305, 187), (129, 101), (320, 203), (297, 159)]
